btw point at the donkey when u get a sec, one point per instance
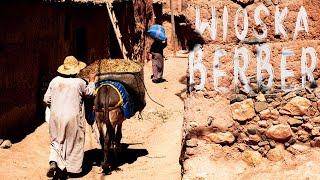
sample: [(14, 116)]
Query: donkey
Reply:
[(109, 118), (114, 102)]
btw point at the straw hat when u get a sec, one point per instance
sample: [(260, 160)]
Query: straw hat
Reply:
[(71, 66)]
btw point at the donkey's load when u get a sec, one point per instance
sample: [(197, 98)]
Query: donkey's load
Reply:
[(126, 72), (105, 66)]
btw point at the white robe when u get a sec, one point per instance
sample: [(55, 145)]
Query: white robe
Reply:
[(67, 121)]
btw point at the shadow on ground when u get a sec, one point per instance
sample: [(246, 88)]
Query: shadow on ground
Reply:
[(94, 157)]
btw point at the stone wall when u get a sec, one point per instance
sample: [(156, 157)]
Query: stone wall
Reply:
[(261, 123)]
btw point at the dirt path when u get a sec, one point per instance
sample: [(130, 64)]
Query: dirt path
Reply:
[(151, 145)]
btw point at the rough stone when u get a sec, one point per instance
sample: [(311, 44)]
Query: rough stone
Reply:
[(310, 91), (294, 122), (316, 119), (270, 96), (283, 119), (267, 148), (192, 143), (272, 143), (252, 129), (279, 132), (260, 106), (237, 98), (303, 136), (311, 111), (251, 94), (315, 131), (292, 141), (254, 147), (243, 138), (312, 97), (260, 97), (263, 143), (263, 124), (317, 92), (269, 114), (1, 141), (190, 151), (193, 124), (256, 118), (6, 144), (254, 139), (262, 130), (261, 150), (286, 144), (222, 137), (276, 154), (252, 158), (290, 95), (298, 149), (275, 104), (301, 93), (307, 127), (241, 147), (243, 111), (315, 142), (269, 100), (294, 129), (275, 122), (296, 106), (222, 125)]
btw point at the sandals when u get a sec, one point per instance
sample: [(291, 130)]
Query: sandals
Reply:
[(52, 169), (160, 80)]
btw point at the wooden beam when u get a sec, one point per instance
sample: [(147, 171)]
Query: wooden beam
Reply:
[(173, 35)]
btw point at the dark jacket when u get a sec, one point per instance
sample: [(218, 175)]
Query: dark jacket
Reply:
[(158, 46)]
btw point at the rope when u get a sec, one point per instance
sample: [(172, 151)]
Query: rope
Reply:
[(144, 86), (135, 75)]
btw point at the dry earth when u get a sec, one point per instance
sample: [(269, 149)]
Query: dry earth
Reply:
[(151, 145)]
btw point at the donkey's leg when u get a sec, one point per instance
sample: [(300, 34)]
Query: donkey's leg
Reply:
[(106, 149), (118, 135)]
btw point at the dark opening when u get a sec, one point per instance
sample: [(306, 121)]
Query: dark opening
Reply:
[(80, 44), (186, 35)]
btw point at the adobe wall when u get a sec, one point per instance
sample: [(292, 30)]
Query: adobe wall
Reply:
[(134, 19), (34, 40), (35, 37), (259, 123)]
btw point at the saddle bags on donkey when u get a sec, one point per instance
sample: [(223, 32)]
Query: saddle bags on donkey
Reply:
[(127, 72)]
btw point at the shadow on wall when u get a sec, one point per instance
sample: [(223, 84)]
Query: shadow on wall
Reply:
[(186, 35), (32, 50)]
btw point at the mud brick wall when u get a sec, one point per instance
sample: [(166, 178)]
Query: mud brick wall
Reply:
[(259, 121), (35, 37), (134, 19)]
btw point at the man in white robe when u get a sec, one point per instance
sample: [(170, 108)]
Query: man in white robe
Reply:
[(67, 119)]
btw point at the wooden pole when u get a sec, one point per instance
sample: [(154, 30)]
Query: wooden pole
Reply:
[(173, 36)]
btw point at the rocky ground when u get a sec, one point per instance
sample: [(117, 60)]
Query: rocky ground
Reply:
[(151, 145)]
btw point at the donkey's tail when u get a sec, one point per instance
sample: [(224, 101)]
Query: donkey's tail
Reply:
[(110, 131)]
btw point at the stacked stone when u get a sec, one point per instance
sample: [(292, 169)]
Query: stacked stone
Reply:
[(266, 123)]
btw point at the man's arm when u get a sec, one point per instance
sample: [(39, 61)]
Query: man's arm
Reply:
[(89, 90)]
